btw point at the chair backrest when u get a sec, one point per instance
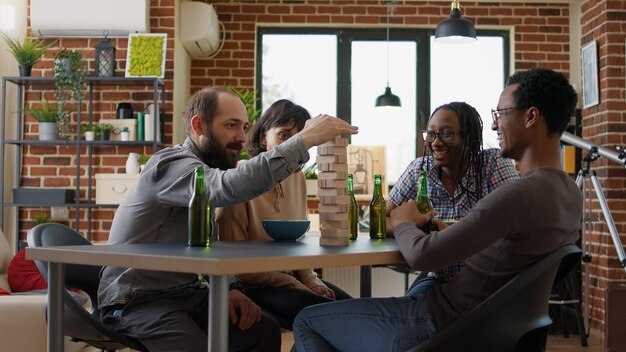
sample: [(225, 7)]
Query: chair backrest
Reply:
[(79, 324), (515, 317)]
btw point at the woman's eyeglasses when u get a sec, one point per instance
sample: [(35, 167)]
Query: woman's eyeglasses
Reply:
[(444, 136)]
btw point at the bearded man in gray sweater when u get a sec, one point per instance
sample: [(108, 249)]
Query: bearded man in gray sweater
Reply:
[(168, 311)]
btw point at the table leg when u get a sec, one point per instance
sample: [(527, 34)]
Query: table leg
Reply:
[(218, 314), (56, 280), (366, 281)]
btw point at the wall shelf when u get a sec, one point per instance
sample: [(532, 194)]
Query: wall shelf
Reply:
[(22, 85)]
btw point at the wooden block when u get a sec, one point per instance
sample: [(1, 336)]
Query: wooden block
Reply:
[(335, 208), (333, 216), (337, 224), (333, 175), (332, 191), (334, 200), (332, 167), (339, 141), (331, 150), (334, 241), (325, 159), (323, 183), (335, 232)]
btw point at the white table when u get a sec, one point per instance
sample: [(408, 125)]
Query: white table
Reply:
[(218, 261)]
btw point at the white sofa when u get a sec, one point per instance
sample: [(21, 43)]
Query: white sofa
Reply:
[(23, 316)]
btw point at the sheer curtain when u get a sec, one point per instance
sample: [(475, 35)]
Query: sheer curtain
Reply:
[(12, 23)]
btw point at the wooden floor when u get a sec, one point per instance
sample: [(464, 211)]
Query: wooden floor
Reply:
[(556, 343)]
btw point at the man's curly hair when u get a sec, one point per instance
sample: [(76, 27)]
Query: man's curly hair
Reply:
[(548, 91)]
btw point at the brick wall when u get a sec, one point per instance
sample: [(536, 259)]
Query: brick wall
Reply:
[(541, 30), (54, 166), (605, 125)]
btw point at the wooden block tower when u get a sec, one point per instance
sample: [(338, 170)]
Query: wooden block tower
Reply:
[(332, 166)]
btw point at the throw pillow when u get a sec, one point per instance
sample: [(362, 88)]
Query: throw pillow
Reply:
[(23, 274)]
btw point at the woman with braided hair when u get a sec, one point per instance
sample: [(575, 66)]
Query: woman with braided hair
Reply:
[(459, 171)]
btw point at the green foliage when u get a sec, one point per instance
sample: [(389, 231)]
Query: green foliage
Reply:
[(27, 52), (88, 128), (310, 172), (143, 159), (249, 99), (46, 113), (70, 70), (146, 55), (105, 126), (125, 129), (41, 218)]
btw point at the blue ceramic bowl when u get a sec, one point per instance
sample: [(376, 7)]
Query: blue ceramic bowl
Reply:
[(285, 230)]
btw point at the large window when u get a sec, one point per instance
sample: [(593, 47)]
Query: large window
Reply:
[(342, 71), (476, 77)]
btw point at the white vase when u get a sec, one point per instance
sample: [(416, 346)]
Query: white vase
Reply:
[(90, 135), (125, 136), (132, 163), (311, 187)]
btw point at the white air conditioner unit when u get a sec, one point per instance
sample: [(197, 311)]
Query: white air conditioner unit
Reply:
[(199, 29), (89, 18)]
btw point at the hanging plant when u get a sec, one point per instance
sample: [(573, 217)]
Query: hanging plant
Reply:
[(69, 82)]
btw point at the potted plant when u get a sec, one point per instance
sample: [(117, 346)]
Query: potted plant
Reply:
[(310, 174), (27, 52), (249, 99), (142, 160), (47, 116), (41, 218), (69, 82), (89, 131), (125, 134), (104, 130)]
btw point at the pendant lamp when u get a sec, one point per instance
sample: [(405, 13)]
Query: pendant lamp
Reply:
[(388, 98), (455, 29)]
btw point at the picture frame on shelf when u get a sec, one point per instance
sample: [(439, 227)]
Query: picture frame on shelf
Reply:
[(145, 56), (591, 91)]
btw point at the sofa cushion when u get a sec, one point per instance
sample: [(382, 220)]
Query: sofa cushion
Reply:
[(4, 292), (6, 253), (24, 275)]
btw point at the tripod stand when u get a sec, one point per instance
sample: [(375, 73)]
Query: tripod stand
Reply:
[(583, 173)]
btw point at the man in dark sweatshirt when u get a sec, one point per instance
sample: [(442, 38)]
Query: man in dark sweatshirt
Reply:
[(511, 228)]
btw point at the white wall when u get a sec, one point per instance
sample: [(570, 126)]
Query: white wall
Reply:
[(12, 23)]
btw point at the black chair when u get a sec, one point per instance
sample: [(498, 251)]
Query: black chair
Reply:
[(566, 297), (81, 325), (514, 318)]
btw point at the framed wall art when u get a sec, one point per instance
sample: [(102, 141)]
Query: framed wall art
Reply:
[(591, 91), (145, 56)]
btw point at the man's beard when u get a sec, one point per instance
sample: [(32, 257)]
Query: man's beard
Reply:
[(217, 156)]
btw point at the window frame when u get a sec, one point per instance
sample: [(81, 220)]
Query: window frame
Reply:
[(345, 37)]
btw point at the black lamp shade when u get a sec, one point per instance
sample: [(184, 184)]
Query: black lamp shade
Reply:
[(455, 29), (105, 59), (388, 99)]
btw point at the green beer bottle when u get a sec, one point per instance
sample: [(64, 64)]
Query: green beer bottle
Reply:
[(199, 216), (378, 211), (353, 212), (422, 201)]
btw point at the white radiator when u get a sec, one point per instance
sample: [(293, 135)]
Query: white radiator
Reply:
[(385, 282)]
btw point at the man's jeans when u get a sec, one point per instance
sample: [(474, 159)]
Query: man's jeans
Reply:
[(367, 324)]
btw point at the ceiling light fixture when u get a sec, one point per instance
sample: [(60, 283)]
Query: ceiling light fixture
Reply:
[(388, 98), (455, 29)]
